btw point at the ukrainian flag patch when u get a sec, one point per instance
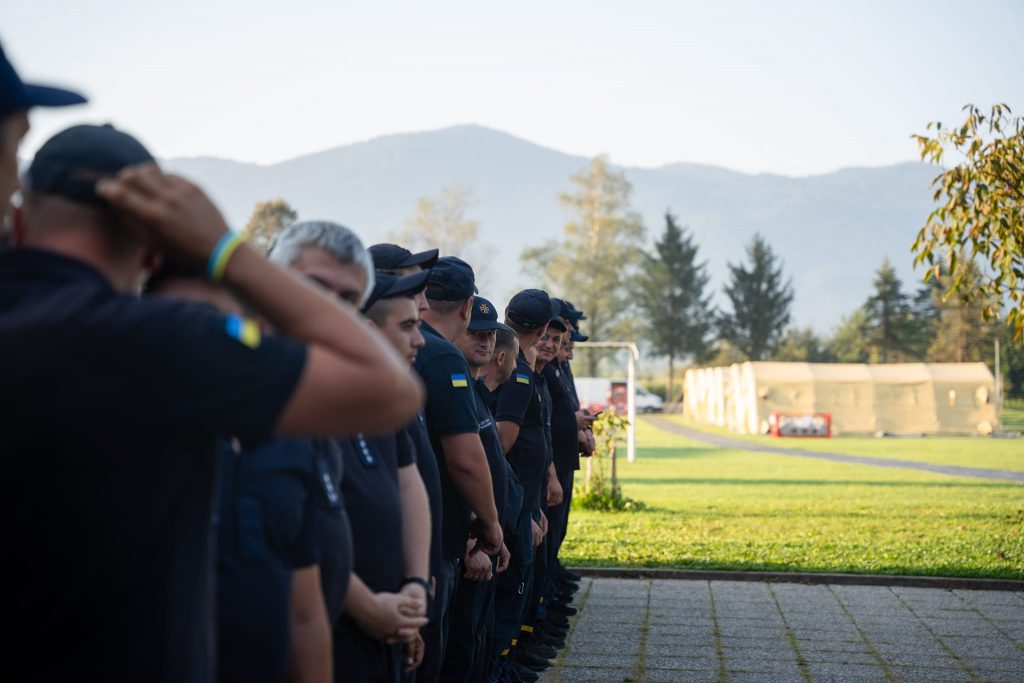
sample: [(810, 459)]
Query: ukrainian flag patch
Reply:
[(244, 330), (522, 379), (459, 381)]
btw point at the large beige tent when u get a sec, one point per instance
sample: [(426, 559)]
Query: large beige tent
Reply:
[(903, 398)]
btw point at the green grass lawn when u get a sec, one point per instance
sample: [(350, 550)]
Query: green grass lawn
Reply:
[(714, 508), (966, 451)]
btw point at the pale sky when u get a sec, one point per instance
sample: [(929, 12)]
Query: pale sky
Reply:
[(788, 87)]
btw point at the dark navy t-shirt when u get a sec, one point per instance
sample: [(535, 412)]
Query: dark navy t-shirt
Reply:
[(565, 442), (111, 407), (334, 533), (267, 529), (514, 490), (426, 463), (374, 507), (520, 400), (495, 455), (451, 409)]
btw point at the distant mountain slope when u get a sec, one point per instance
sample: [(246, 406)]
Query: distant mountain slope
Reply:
[(832, 230)]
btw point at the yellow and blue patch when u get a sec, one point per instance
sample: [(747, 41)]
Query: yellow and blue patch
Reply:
[(522, 379), (459, 381), (244, 330)]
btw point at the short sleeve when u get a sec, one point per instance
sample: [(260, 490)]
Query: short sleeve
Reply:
[(201, 371), (514, 398), (404, 449), (307, 549), (450, 407)]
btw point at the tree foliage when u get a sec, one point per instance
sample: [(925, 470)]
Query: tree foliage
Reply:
[(849, 342), (672, 298), (960, 333), (888, 316), (442, 223), (595, 264), (761, 301), (981, 210), (267, 219), (804, 346)]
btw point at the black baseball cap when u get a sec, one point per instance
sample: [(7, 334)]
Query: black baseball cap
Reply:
[(484, 316), (15, 95), (70, 163), (389, 286), (451, 279), (577, 337), (391, 257), (570, 313), (530, 309)]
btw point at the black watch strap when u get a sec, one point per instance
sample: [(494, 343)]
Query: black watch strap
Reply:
[(422, 582)]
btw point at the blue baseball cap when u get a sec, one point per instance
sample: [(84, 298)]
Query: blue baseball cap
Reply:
[(530, 309), (577, 337), (451, 279), (484, 316), (389, 286), (16, 95), (70, 163), (391, 257)]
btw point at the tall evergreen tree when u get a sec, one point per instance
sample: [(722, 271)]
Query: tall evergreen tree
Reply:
[(889, 320), (761, 302), (677, 312), (849, 343)]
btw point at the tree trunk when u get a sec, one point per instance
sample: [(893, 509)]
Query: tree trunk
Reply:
[(669, 394)]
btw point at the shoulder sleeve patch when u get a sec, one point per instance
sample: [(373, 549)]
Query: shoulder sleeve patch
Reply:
[(459, 380), (522, 378), (243, 330)]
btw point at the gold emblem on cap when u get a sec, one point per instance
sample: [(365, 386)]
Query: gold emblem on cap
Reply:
[(485, 309)]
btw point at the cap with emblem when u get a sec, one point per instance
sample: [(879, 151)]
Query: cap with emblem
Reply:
[(530, 309), (391, 257), (451, 279), (389, 286), (484, 317), (70, 163), (16, 95)]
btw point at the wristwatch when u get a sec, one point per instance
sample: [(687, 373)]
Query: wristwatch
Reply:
[(422, 582)]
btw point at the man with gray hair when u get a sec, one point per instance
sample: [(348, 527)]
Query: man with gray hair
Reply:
[(382, 489)]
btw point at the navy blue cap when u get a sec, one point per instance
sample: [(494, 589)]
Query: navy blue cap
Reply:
[(530, 309), (484, 316), (391, 257), (389, 286), (70, 163), (16, 95), (577, 337), (556, 322), (571, 313), (451, 279)]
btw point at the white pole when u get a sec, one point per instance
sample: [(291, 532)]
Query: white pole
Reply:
[(631, 410)]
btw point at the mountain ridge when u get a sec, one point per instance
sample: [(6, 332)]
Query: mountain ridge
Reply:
[(832, 230)]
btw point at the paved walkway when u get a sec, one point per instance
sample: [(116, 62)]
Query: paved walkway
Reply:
[(633, 630), (726, 442)]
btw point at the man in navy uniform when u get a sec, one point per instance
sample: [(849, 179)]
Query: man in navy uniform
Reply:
[(16, 98), (391, 259), (468, 654), (381, 489), (95, 219), (454, 430), (521, 425)]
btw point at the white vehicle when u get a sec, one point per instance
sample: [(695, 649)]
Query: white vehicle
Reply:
[(598, 393)]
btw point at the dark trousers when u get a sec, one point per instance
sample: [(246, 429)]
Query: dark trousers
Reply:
[(513, 586), (558, 519), (535, 610), (358, 657), (435, 633), (466, 651)]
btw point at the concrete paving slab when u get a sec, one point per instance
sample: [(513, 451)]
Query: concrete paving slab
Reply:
[(790, 632)]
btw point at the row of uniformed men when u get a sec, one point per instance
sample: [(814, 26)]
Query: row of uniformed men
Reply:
[(130, 421)]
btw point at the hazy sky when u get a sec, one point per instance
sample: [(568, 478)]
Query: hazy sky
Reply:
[(787, 87)]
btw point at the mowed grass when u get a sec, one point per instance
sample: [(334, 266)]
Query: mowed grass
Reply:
[(1000, 453), (714, 508)]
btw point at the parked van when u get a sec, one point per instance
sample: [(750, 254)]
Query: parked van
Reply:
[(598, 393)]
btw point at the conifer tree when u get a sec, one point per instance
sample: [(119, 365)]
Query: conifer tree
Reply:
[(761, 301)]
